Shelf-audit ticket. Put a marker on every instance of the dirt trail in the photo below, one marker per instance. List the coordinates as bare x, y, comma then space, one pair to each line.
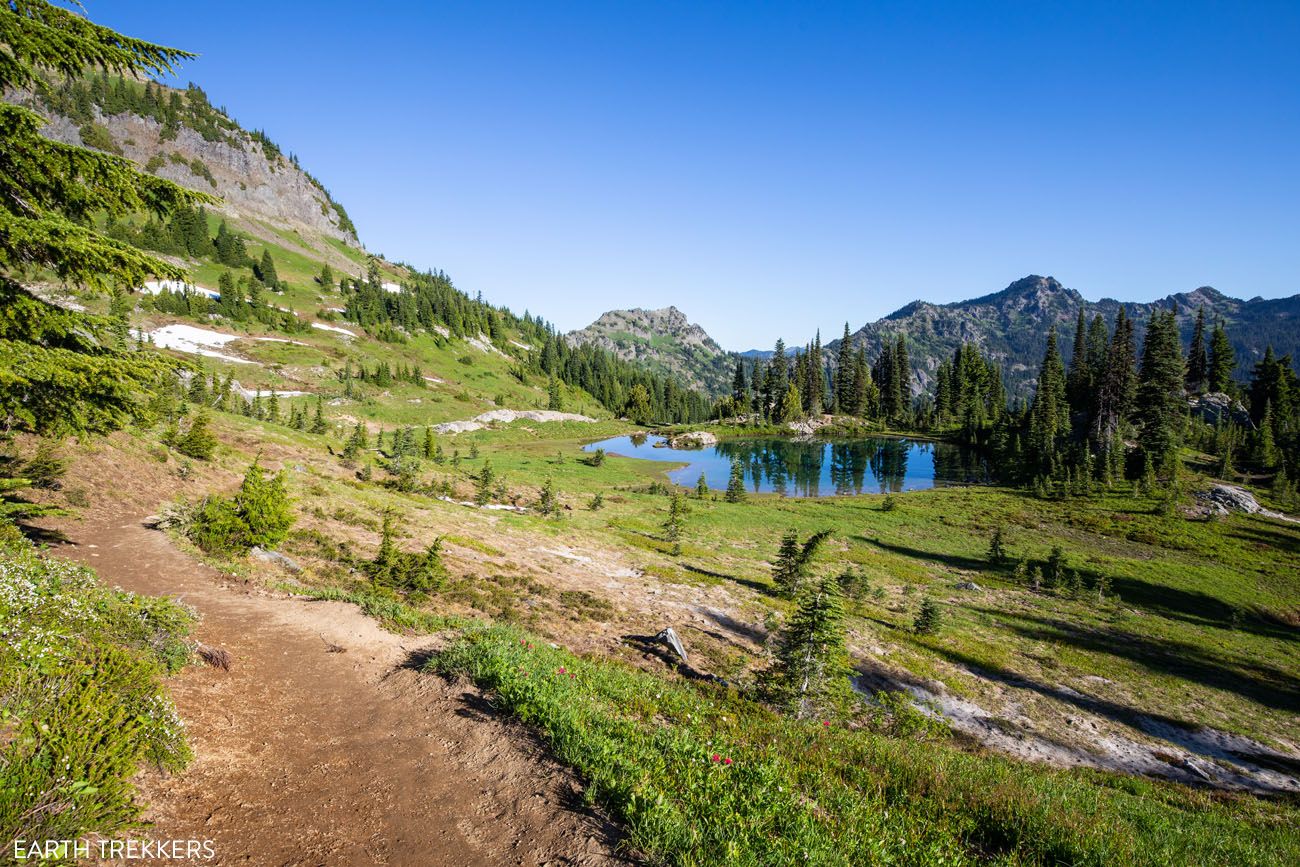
306, 756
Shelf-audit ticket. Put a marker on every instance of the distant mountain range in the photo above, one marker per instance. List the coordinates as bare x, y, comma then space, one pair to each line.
1010, 325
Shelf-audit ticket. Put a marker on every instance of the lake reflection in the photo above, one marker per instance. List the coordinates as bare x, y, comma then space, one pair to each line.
812, 469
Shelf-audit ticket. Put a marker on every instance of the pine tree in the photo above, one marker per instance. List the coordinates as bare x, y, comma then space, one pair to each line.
810, 675
791, 405
1223, 360
265, 271
701, 486
318, 423
844, 374
1080, 380
675, 522
1049, 414
997, 549
198, 442
793, 560
1198, 361
1161, 405
484, 484
262, 504
739, 389
736, 484
59, 372
929, 617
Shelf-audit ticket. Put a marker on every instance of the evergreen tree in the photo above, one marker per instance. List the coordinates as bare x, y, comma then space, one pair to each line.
701, 486
739, 388
1161, 405
265, 271
318, 423
262, 504
1223, 360
793, 560
675, 522
59, 373
198, 442
810, 676
929, 617
1080, 380
1198, 361
791, 405
844, 374
736, 484
1049, 414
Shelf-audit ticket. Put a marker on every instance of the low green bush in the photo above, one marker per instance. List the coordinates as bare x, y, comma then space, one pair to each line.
82, 705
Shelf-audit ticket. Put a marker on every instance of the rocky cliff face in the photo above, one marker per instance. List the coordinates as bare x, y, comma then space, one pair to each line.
254, 180
663, 340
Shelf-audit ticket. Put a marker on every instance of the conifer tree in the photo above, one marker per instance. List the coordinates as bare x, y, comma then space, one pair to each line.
736, 484
676, 521
844, 371
929, 617
198, 442
739, 388
791, 405
59, 373
1161, 405
318, 423
1198, 360
262, 504
810, 675
793, 560
701, 486
1223, 360
1049, 414
1080, 379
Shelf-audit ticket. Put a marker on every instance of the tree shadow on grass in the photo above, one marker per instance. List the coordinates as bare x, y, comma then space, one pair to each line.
756, 586
1188, 606
1272, 535
1261, 683
1176, 731
956, 561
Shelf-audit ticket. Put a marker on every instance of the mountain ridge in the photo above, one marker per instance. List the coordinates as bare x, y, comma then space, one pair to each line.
1010, 325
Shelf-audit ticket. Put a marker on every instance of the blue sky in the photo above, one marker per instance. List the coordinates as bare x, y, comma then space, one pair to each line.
775, 168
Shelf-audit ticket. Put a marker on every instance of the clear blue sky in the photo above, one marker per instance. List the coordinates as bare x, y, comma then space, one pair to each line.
775, 168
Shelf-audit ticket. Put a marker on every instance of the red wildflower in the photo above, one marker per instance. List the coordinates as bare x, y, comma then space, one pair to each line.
715, 757
561, 669
826, 723
726, 761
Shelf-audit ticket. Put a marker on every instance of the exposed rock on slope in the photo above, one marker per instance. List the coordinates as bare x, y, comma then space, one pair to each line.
202, 149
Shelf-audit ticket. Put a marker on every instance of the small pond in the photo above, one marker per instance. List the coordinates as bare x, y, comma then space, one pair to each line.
812, 469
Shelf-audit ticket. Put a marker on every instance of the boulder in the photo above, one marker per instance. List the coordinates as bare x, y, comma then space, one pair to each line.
1221, 499
696, 439
286, 563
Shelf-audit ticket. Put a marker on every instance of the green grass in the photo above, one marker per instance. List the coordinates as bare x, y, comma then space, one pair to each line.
787, 791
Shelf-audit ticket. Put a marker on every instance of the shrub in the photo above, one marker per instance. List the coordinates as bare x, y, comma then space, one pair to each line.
83, 704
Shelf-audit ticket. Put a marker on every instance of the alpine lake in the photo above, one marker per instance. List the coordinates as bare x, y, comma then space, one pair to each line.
815, 468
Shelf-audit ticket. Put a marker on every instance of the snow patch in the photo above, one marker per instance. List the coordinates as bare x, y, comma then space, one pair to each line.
321, 326
157, 287
195, 341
